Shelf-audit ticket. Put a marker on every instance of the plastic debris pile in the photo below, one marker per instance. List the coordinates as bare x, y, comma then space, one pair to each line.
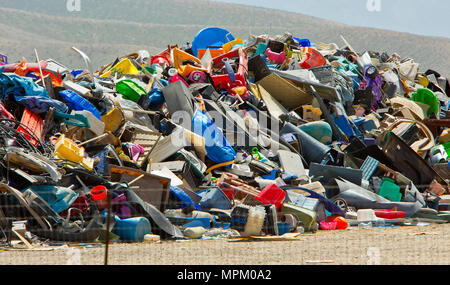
222, 138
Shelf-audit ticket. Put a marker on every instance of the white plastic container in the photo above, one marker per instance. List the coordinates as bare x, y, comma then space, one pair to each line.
255, 221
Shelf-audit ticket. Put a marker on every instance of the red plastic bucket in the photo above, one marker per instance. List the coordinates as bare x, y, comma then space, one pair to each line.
272, 194
99, 193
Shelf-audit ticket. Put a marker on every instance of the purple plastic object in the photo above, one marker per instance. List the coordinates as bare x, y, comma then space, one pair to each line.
375, 83
3, 59
124, 211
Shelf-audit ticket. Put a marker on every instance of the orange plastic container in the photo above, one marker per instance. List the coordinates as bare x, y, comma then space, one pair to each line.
272, 194
35, 125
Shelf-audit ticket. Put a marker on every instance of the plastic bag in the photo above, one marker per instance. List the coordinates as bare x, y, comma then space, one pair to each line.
217, 147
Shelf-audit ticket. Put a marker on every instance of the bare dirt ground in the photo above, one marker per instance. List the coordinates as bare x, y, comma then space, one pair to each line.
354, 246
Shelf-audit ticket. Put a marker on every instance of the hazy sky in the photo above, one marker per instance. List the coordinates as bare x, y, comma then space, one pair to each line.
424, 17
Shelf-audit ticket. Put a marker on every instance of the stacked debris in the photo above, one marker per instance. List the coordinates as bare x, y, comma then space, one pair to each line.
222, 138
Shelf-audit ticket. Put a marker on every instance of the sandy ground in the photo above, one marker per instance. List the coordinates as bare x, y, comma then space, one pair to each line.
354, 246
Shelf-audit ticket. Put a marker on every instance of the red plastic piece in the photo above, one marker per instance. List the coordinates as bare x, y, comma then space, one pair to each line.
389, 214
35, 125
272, 194
223, 80
312, 59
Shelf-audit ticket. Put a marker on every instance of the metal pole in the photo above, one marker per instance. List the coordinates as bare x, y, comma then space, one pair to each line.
108, 216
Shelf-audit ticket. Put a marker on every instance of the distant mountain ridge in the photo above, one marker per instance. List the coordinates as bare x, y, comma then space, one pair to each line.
108, 29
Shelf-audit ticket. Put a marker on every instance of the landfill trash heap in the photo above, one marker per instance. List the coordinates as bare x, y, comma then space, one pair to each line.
222, 138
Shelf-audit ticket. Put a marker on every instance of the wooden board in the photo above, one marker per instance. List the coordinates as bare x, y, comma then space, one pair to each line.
284, 92
274, 107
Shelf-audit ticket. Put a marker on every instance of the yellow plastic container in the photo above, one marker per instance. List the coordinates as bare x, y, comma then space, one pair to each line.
67, 149
125, 66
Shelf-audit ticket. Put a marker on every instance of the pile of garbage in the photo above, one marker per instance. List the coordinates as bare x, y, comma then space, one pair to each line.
222, 138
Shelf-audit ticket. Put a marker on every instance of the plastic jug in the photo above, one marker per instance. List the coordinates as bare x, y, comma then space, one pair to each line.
272, 194
132, 230
255, 221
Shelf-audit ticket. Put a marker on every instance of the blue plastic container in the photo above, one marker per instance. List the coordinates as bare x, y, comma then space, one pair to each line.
132, 230
78, 103
283, 228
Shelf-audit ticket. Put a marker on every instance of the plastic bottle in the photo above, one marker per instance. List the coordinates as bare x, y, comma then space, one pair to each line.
255, 221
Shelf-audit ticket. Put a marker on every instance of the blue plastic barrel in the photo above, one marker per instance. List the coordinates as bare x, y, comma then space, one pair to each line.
133, 229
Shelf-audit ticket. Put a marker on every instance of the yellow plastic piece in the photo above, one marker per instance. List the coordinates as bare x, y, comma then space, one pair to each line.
310, 113
125, 66
229, 46
113, 120
219, 165
67, 149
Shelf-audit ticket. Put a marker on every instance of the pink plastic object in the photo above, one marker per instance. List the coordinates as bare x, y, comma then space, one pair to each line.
312, 59
272, 194
276, 57
328, 226
176, 78
135, 150
197, 76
